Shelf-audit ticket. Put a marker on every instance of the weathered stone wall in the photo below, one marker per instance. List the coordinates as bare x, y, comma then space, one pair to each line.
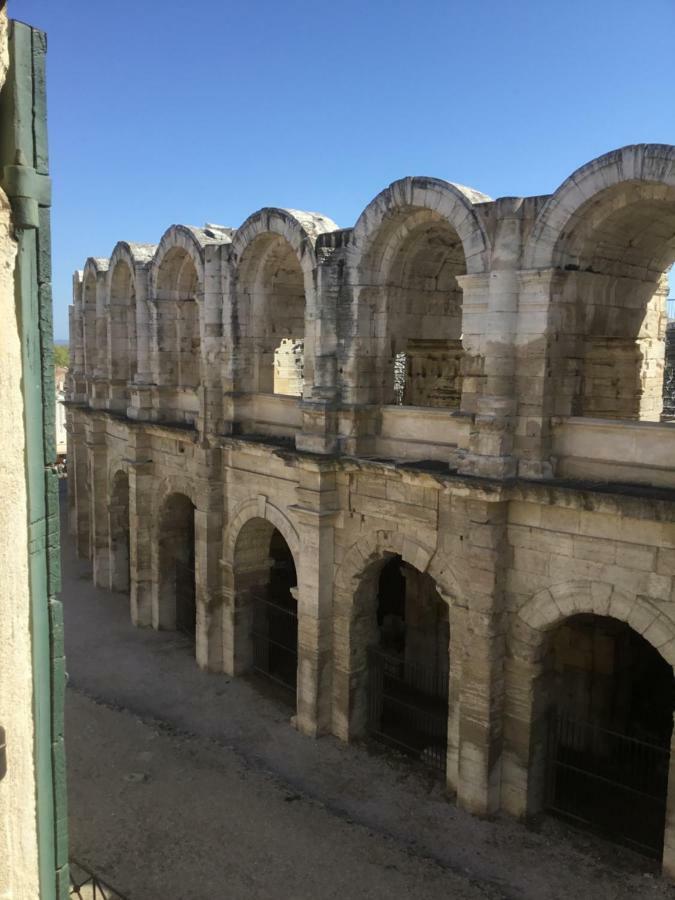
523, 322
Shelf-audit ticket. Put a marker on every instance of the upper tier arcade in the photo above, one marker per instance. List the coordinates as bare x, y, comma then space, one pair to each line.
510, 337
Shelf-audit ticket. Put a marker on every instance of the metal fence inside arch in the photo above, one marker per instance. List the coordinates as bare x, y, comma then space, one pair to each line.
408, 708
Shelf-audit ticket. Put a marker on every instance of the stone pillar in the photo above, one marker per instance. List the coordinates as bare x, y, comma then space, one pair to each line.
101, 373
78, 484
99, 488
475, 300
320, 396
454, 685
540, 363
208, 575
491, 314
211, 344
478, 628
77, 386
142, 527
143, 396
314, 513
669, 834
230, 348
652, 348
523, 764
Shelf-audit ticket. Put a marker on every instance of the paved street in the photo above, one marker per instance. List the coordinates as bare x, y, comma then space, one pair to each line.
185, 785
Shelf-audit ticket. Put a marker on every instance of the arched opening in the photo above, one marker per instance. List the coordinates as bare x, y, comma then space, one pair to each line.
177, 585
615, 254
412, 307
605, 700
271, 315
265, 581
118, 512
123, 358
178, 335
401, 626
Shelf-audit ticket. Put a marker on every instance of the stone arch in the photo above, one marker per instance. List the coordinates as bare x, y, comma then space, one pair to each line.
176, 279
550, 606
525, 709
409, 250
606, 237
649, 164
176, 484
273, 255
375, 545
261, 558
259, 508
453, 202
178, 237
355, 589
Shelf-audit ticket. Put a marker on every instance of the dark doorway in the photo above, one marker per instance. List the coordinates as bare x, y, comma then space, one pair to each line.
408, 668
178, 607
186, 599
119, 534
609, 731
275, 619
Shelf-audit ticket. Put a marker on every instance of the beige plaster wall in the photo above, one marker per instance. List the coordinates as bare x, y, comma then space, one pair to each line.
18, 826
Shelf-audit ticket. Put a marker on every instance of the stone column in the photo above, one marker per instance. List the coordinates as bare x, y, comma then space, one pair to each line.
230, 349
320, 397
454, 685
538, 359
523, 764
208, 574
315, 514
77, 386
144, 381
99, 488
475, 307
479, 629
101, 373
142, 527
491, 315
211, 342
78, 484
669, 834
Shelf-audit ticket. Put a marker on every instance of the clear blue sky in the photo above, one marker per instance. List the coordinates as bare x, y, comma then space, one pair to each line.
206, 111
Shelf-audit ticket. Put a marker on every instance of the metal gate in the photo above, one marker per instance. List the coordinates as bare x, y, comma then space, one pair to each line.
408, 707
608, 782
275, 641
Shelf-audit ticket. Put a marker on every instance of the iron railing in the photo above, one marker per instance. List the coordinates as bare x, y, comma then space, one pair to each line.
275, 642
84, 885
408, 707
608, 782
